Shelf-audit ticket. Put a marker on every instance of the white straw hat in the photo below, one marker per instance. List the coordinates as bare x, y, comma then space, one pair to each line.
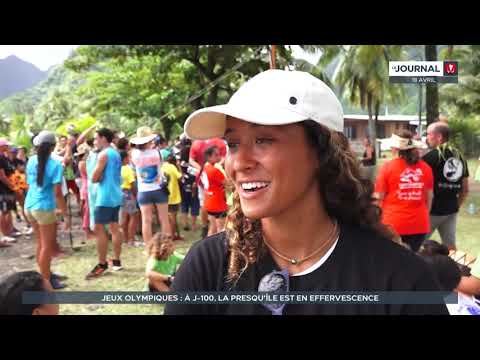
144, 135
401, 143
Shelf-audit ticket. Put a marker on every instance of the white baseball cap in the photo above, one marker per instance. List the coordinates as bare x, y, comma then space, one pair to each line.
273, 97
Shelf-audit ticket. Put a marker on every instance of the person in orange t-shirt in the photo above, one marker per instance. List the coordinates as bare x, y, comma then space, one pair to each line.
213, 182
404, 188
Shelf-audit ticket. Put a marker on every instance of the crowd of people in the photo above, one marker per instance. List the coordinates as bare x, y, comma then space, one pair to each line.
121, 186
296, 201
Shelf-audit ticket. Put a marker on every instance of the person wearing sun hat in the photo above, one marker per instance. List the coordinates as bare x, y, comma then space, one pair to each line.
81, 156
301, 213
151, 183
404, 188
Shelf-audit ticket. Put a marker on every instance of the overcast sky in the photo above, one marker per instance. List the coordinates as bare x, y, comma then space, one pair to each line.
44, 56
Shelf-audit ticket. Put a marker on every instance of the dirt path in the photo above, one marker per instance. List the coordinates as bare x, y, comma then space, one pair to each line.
21, 255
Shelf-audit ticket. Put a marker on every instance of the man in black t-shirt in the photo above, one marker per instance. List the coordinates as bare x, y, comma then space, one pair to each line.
450, 172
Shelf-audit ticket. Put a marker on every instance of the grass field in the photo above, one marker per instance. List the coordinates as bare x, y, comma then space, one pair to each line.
132, 278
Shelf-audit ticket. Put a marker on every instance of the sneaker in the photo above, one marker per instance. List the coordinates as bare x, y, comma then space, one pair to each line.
28, 231
56, 284
116, 265
59, 276
9, 239
97, 271
16, 233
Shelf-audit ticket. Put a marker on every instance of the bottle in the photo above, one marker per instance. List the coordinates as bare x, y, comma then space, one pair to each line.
471, 209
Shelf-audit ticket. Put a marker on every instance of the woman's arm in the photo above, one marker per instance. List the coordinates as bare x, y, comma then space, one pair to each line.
378, 198
98, 172
429, 200
469, 285
4, 179
62, 205
82, 166
83, 136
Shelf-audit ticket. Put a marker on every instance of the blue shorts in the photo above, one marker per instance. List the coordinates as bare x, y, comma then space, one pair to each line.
190, 202
106, 215
129, 205
152, 197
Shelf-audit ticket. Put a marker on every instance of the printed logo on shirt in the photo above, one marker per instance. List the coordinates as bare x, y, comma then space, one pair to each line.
410, 180
148, 174
453, 169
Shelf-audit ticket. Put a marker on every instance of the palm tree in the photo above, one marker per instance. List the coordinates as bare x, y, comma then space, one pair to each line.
432, 89
364, 74
361, 71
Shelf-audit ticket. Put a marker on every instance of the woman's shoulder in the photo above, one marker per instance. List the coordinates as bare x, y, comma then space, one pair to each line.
367, 246
211, 248
203, 267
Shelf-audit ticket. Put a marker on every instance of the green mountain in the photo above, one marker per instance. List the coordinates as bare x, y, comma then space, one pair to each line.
17, 75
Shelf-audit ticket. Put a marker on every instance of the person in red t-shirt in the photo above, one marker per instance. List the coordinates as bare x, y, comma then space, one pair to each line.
404, 188
213, 182
197, 160
197, 151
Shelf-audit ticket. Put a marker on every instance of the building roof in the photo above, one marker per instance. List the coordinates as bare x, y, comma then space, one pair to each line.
405, 118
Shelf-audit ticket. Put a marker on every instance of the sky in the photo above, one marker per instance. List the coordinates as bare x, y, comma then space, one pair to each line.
300, 54
42, 56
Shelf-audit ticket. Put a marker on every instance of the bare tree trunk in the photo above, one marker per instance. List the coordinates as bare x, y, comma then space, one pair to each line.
431, 97
372, 128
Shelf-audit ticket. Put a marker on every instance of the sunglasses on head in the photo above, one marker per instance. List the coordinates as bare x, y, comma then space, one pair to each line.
276, 281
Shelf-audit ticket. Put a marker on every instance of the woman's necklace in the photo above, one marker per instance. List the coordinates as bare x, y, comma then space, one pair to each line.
330, 239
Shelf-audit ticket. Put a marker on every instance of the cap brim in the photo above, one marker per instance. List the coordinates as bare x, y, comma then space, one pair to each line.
143, 140
393, 144
210, 122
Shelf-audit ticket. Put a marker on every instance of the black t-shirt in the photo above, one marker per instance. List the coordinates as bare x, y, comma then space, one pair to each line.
16, 162
361, 261
448, 174
369, 162
9, 169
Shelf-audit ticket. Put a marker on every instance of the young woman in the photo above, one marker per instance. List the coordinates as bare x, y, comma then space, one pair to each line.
129, 210
213, 180
404, 188
44, 178
151, 185
369, 160
81, 155
300, 209
170, 169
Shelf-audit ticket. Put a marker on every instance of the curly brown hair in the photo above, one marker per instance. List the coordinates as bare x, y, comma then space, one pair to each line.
346, 197
159, 245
